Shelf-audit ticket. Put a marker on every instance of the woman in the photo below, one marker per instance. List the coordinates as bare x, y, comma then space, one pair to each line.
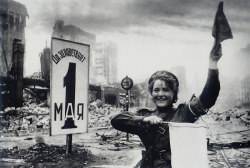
164, 87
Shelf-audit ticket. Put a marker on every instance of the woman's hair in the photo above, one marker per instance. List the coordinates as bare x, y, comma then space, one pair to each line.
169, 78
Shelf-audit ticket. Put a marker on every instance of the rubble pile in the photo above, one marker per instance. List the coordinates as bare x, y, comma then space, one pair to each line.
27, 119
24, 120
31, 119
43, 153
34, 117
237, 158
36, 75
229, 127
100, 115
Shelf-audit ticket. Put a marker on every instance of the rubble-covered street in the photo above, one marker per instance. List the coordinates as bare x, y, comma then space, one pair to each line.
25, 140
89, 150
229, 139
68, 67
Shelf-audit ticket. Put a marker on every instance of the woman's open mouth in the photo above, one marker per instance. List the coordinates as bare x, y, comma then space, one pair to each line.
161, 99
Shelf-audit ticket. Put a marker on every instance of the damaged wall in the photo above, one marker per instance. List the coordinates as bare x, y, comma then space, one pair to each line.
12, 23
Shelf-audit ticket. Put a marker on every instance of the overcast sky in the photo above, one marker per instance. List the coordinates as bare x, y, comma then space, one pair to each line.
151, 34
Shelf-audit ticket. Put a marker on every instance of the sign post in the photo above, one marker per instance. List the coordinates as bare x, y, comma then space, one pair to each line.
127, 84
69, 144
69, 88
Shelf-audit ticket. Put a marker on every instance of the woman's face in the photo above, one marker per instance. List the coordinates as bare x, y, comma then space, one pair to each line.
162, 94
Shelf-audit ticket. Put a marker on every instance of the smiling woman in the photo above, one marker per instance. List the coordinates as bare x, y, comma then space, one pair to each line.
148, 124
162, 94
166, 78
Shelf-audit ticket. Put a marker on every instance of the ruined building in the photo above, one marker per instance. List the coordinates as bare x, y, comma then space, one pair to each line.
244, 95
73, 33
103, 55
45, 63
105, 63
12, 39
12, 24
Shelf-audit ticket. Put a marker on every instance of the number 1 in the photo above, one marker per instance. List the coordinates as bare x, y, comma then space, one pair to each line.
69, 81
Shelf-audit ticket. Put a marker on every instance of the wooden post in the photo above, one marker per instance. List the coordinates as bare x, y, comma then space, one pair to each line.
127, 84
127, 105
127, 101
69, 144
117, 97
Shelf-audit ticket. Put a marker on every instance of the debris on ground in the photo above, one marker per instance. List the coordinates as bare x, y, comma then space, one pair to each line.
43, 153
226, 130
100, 116
22, 121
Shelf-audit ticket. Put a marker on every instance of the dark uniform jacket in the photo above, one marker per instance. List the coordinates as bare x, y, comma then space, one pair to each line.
160, 155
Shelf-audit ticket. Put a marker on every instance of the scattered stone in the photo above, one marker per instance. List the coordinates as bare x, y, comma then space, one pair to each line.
43, 153
39, 139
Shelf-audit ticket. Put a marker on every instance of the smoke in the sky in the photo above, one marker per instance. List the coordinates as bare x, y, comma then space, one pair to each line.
112, 15
158, 34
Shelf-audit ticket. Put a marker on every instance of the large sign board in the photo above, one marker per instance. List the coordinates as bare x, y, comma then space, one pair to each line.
69, 86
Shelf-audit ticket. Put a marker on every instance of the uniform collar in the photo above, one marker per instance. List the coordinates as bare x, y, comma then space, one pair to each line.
164, 113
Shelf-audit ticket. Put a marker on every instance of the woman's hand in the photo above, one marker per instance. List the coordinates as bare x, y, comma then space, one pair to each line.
215, 55
152, 120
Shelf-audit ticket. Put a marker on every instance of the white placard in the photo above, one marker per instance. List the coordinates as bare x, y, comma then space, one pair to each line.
69, 87
188, 145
